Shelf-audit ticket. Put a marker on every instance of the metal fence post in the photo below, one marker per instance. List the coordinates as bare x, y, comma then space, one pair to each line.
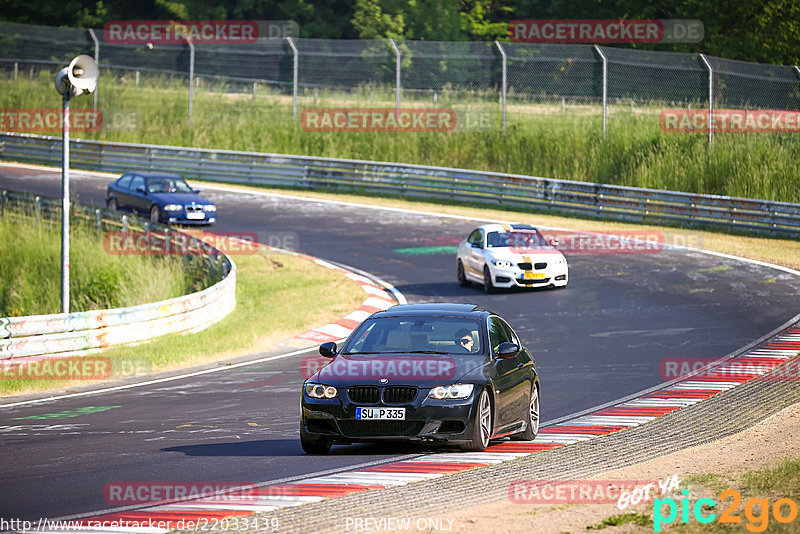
605, 87
398, 57
191, 76
294, 78
796, 69
96, 60
710, 99
504, 88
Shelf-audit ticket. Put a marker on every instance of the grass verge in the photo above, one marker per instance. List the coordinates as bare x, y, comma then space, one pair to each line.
30, 270
277, 296
760, 490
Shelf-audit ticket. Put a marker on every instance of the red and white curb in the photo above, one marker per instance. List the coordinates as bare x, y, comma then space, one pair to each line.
378, 299
735, 371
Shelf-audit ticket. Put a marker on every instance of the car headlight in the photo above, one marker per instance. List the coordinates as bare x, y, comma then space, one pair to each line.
453, 391
320, 391
502, 264
209, 207
173, 207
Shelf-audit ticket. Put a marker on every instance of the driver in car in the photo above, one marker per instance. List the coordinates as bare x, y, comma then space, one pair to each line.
464, 341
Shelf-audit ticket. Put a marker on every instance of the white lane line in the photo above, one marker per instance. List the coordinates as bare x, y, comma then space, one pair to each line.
566, 439
471, 457
771, 353
612, 420
232, 506
361, 480
661, 402
699, 384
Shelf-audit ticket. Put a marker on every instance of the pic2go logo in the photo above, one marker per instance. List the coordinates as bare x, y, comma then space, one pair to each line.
757, 511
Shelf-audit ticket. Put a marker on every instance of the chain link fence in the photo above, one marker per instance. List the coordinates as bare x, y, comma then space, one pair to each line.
498, 78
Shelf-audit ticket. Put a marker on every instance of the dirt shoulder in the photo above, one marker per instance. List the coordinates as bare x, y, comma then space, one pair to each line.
768, 442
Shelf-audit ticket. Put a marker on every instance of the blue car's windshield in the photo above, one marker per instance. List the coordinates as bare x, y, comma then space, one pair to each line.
423, 335
166, 184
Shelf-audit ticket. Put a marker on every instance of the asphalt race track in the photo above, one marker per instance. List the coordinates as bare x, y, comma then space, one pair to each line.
601, 338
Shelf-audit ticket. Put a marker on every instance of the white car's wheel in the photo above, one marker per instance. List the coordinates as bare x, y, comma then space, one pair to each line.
488, 285
462, 277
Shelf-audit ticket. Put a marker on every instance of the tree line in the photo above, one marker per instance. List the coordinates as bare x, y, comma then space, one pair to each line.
764, 31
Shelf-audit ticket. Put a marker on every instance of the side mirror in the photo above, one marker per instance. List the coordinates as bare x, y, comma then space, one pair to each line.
476, 244
552, 241
507, 350
328, 349
140, 189
197, 191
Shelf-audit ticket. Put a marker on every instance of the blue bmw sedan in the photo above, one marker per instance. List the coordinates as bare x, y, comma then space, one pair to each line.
164, 198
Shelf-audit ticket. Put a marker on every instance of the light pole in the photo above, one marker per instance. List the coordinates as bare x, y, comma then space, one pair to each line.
80, 77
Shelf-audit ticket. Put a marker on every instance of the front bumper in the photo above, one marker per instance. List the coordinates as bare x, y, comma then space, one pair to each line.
180, 217
426, 420
555, 275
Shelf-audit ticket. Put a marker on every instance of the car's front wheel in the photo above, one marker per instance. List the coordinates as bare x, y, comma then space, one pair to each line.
532, 418
482, 425
155, 214
488, 285
313, 446
462, 277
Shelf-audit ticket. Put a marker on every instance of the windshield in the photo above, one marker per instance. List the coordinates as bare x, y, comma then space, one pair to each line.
526, 239
424, 335
166, 184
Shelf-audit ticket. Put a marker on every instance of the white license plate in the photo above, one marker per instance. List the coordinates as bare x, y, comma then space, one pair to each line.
371, 414
195, 215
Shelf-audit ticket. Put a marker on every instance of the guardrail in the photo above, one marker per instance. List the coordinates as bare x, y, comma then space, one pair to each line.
88, 332
500, 189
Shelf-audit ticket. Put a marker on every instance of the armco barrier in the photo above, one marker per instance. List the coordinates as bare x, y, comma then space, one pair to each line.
500, 189
88, 332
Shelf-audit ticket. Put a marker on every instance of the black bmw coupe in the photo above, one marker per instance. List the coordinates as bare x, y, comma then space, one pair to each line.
449, 373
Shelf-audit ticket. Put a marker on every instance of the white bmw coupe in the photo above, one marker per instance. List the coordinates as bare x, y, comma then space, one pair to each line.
510, 255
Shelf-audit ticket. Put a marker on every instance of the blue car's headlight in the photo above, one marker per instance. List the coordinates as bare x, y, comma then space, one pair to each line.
173, 207
453, 391
320, 391
209, 207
